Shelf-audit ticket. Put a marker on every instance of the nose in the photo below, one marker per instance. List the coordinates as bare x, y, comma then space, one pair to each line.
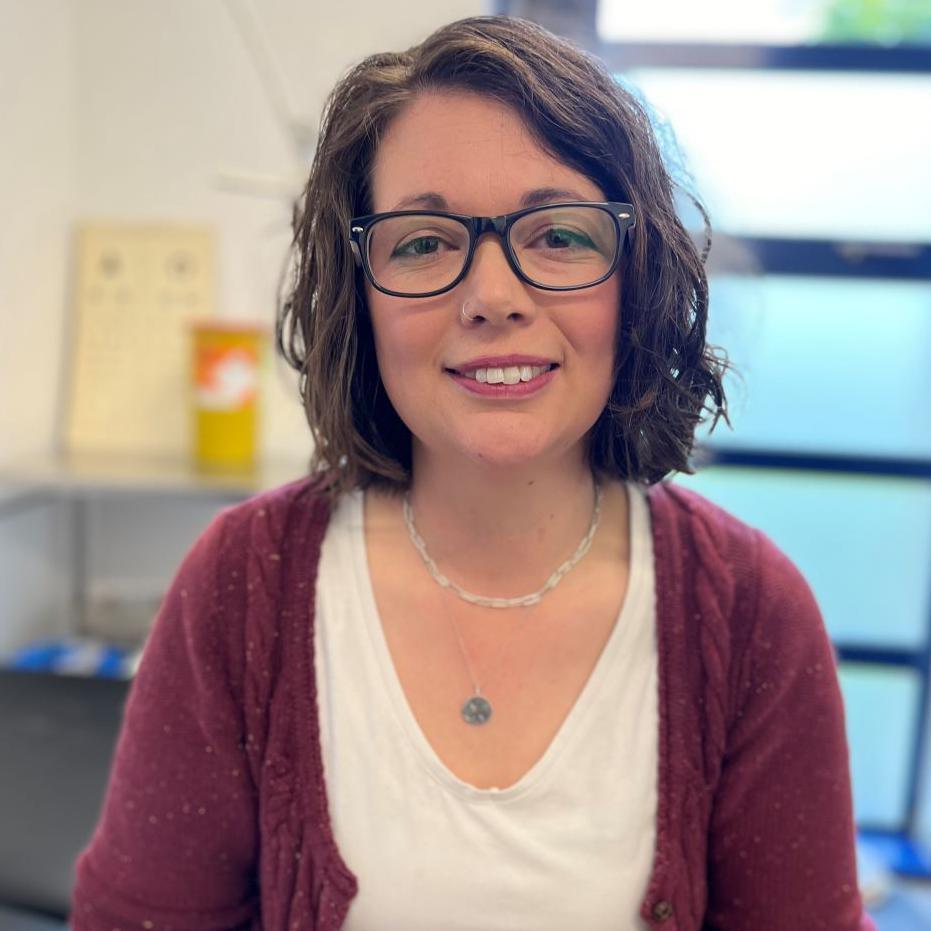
491, 289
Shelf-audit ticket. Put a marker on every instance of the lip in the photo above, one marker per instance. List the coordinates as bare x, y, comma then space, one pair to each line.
521, 390
500, 362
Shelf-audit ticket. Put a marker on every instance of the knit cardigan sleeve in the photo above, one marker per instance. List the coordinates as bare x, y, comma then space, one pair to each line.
781, 841
180, 802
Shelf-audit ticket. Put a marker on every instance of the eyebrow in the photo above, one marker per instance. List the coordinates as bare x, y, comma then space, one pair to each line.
431, 200
549, 195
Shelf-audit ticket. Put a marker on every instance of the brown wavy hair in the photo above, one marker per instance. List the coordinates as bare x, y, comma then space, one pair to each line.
664, 370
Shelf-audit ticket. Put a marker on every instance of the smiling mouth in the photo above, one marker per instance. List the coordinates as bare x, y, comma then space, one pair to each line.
505, 375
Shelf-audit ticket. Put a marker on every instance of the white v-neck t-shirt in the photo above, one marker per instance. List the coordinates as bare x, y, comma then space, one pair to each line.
570, 845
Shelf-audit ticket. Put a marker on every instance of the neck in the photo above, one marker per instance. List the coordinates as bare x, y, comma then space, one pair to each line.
501, 532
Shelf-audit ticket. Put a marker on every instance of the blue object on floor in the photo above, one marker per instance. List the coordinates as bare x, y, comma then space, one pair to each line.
902, 855
74, 656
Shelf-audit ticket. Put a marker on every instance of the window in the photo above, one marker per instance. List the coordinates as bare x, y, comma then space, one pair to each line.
804, 124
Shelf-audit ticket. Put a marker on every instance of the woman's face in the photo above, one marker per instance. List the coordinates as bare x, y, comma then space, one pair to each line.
478, 156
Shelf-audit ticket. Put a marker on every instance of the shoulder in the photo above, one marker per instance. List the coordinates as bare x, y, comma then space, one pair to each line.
691, 519
249, 556
731, 579
240, 577
268, 525
694, 530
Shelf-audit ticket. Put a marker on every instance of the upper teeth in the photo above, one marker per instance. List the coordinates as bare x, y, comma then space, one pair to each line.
509, 376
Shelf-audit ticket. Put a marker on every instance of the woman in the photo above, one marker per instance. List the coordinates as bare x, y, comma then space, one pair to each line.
482, 669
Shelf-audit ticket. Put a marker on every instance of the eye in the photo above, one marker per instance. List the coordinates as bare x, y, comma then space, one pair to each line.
559, 237
570, 232
423, 247
420, 245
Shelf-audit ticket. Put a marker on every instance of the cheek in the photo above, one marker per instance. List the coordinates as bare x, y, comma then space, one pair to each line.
403, 344
598, 325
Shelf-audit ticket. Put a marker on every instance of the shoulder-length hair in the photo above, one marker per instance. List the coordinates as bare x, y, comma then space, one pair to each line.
664, 370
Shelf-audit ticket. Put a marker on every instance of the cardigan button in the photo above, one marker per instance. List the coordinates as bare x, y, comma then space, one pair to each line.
662, 911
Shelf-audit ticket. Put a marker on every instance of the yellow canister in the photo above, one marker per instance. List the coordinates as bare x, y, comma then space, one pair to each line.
225, 376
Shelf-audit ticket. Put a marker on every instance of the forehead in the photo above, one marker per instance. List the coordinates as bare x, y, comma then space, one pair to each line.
474, 151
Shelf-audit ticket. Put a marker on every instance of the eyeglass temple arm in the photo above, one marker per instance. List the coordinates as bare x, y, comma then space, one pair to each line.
356, 252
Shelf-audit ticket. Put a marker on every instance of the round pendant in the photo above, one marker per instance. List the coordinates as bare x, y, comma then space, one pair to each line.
476, 710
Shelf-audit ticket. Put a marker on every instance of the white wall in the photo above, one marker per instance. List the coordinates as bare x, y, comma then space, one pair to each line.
127, 109
168, 97
130, 110
38, 186
37, 194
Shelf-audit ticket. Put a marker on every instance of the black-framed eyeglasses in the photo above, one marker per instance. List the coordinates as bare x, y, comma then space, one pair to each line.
556, 247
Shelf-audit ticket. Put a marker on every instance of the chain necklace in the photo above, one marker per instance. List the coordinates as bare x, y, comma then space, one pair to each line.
477, 709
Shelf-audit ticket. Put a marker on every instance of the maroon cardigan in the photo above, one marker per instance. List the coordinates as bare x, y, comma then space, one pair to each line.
216, 812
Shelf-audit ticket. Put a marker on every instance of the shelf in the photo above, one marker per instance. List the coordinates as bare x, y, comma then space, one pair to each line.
102, 474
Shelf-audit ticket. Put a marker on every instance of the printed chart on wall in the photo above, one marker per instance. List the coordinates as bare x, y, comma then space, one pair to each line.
137, 289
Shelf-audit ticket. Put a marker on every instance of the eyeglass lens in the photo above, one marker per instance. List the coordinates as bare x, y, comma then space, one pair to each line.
561, 247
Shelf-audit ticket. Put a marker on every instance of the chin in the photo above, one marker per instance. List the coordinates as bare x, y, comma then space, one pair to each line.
501, 456
494, 462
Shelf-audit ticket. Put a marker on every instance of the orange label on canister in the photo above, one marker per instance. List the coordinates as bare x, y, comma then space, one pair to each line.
225, 376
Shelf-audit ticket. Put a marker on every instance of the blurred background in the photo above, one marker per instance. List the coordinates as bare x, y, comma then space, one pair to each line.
150, 159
